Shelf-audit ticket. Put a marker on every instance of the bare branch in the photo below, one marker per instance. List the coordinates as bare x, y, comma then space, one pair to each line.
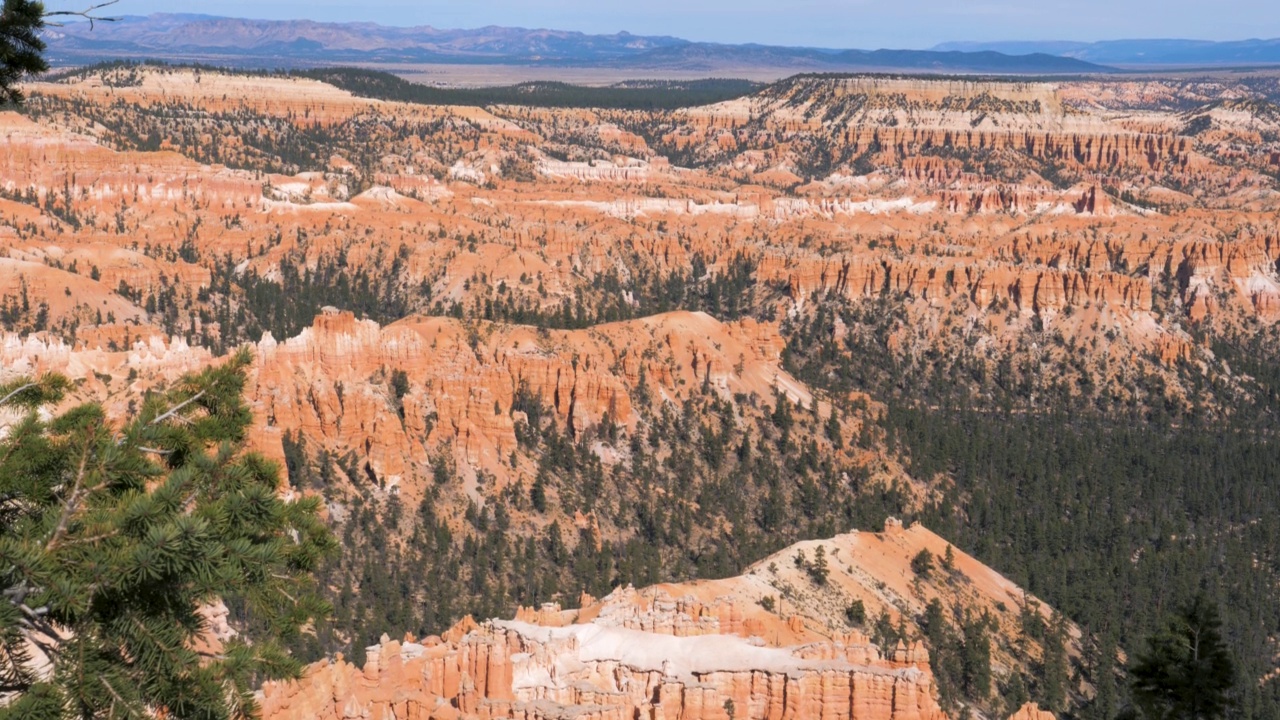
175, 410
5, 400
87, 14
93, 539
36, 615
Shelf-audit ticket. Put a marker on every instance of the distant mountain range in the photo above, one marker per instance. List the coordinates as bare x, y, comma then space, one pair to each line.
1139, 52
303, 43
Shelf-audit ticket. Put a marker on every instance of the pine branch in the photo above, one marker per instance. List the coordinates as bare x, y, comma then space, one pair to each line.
128, 709
170, 654
73, 501
14, 444
15, 667
87, 14
129, 657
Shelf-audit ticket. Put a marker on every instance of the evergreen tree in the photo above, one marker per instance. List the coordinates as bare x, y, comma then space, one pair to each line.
819, 569
1056, 667
1015, 694
1186, 672
21, 49
943, 652
113, 537
538, 494
833, 429
922, 563
856, 613
1103, 705
977, 658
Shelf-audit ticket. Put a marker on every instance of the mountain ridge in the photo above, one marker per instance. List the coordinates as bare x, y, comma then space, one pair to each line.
1138, 51
304, 42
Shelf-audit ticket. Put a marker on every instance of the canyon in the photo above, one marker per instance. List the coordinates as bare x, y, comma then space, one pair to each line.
529, 354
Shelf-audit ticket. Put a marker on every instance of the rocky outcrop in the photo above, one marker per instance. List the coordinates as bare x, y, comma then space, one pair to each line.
332, 383
706, 650
635, 171
899, 118
617, 666
984, 283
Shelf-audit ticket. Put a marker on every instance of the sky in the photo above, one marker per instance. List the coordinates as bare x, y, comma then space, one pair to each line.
865, 24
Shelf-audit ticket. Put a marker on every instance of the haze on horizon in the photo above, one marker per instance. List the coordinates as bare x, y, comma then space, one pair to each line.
866, 24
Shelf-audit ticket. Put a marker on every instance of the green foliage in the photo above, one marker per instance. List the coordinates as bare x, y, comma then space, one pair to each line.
1103, 660
856, 613
113, 537
819, 570
21, 49
945, 652
399, 383
422, 571
884, 633
922, 563
730, 294
247, 304
961, 661
833, 430
1056, 671
1186, 672
976, 658
538, 493
399, 388
1108, 506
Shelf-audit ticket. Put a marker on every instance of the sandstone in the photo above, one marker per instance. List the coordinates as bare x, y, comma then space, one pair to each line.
1069, 214
671, 651
608, 668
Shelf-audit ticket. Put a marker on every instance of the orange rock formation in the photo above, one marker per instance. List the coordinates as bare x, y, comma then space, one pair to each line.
702, 651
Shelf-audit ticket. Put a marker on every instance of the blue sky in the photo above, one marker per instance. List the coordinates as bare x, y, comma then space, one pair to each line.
827, 23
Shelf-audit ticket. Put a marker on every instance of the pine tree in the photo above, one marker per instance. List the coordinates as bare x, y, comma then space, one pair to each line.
922, 563
819, 570
112, 537
833, 430
538, 493
1186, 672
856, 613
1103, 705
977, 658
21, 49
1056, 665
943, 652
